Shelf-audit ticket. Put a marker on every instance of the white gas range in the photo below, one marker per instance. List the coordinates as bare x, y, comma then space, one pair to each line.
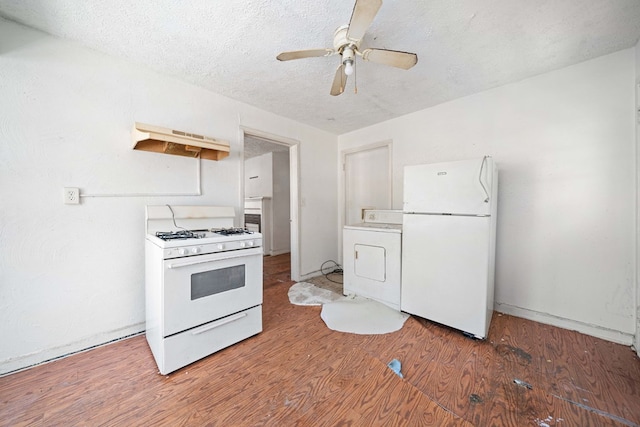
203, 283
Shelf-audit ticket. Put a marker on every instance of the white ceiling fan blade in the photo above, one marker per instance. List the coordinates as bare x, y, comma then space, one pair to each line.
394, 58
339, 81
309, 53
363, 14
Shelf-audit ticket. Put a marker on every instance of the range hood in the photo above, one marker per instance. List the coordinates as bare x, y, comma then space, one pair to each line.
169, 141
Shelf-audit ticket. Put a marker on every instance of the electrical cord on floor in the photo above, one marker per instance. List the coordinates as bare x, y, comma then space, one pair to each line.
337, 269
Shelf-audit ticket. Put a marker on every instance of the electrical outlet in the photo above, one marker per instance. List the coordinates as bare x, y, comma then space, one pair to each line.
71, 196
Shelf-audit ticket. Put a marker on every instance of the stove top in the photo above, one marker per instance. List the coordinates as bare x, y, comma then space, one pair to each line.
180, 231
206, 240
200, 234
178, 235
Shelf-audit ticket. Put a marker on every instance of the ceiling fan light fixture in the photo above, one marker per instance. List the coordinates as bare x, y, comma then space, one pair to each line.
348, 55
348, 67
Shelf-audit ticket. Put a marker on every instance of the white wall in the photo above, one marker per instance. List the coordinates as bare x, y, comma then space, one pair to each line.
72, 276
564, 144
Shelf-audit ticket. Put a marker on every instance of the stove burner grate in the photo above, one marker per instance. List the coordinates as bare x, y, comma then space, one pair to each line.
231, 231
176, 235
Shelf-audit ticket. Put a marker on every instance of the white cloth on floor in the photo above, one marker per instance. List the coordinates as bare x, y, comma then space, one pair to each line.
362, 316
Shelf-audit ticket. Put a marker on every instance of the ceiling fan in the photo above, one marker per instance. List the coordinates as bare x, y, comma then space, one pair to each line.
346, 43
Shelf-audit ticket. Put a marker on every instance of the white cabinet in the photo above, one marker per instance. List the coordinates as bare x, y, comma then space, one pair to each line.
267, 186
258, 176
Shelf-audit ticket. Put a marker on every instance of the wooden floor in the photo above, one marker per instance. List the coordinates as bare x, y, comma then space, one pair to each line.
298, 372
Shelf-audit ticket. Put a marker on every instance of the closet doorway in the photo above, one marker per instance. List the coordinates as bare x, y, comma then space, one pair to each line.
367, 180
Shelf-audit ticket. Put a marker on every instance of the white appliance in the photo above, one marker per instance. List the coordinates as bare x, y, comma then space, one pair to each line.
372, 257
257, 218
448, 244
203, 283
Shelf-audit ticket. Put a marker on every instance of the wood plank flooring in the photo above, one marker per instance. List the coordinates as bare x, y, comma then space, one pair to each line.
298, 372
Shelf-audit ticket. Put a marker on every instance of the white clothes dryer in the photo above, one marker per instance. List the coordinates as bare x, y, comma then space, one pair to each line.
372, 257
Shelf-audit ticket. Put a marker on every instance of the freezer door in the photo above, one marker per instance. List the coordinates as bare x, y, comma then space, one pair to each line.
446, 271
455, 187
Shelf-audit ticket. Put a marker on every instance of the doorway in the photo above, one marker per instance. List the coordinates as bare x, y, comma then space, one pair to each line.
367, 180
270, 193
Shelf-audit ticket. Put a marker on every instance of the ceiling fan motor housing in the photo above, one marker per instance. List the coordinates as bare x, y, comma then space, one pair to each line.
340, 40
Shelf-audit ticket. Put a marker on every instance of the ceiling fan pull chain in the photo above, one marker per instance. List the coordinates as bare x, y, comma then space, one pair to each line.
355, 76
344, 82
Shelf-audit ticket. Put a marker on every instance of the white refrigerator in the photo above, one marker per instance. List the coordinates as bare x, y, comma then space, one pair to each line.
448, 243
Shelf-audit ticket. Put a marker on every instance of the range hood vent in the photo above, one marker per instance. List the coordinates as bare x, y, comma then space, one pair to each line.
179, 143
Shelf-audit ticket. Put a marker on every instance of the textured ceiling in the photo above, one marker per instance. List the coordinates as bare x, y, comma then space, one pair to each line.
254, 146
229, 46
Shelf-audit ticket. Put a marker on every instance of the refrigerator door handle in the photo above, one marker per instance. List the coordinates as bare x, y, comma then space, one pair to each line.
484, 160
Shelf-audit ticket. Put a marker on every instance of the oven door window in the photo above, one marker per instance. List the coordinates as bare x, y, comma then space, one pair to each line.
217, 281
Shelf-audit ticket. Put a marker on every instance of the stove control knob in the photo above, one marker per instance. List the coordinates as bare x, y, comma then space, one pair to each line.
250, 243
243, 244
182, 251
220, 246
195, 250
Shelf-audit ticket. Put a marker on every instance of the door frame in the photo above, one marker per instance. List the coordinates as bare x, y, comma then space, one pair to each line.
294, 189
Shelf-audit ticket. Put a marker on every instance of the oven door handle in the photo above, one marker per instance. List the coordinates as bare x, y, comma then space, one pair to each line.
222, 256
218, 323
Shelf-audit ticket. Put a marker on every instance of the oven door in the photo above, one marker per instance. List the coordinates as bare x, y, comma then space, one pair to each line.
202, 288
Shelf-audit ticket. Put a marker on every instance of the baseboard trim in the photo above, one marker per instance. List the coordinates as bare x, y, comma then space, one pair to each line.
310, 275
279, 252
573, 325
15, 364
